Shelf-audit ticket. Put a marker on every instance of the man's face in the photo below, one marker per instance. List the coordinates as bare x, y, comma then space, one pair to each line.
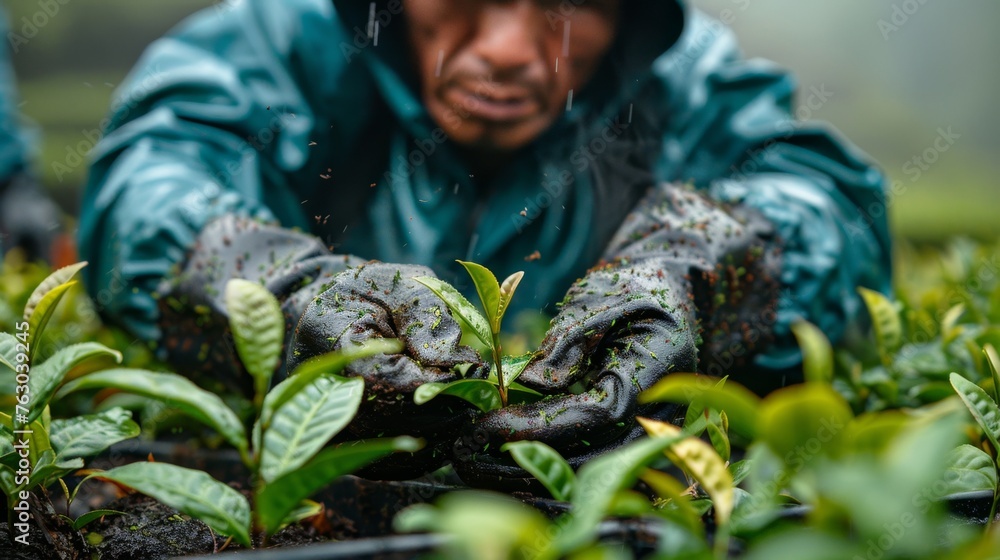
494, 74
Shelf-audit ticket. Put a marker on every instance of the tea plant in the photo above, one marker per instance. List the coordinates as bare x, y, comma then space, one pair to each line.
495, 298
285, 451
37, 451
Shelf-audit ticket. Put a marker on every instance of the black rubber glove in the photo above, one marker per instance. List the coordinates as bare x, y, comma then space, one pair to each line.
682, 275
378, 300
193, 321
29, 219
329, 301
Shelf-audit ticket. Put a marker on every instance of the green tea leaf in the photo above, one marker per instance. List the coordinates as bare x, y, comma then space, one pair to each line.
83, 436
258, 327
482, 525
545, 464
47, 376
817, 354
173, 390
94, 515
513, 367
740, 405
191, 492
479, 392
701, 462
807, 419
740, 470
278, 498
885, 320
994, 362
304, 424
461, 308
949, 328
970, 469
58, 278
314, 368
303, 511
982, 407
42, 313
8, 350
599, 480
488, 289
507, 290
720, 440
669, 488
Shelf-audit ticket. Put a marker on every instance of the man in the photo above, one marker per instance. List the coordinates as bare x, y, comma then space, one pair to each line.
545, 136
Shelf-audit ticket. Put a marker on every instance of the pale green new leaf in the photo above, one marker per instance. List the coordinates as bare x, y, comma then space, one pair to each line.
278, 498
994, 362
83, 436
817, 354
314, 368
191, 492
41, 315
58, 278
982, 407
47, 376
479, 392
545, 464
258, 327
460, 307
174, 391
507, 290
885, 320
304, 424
8, 352
488, 289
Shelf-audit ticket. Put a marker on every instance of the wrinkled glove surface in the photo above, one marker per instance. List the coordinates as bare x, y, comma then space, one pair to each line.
329, 301
683, 275
378, 300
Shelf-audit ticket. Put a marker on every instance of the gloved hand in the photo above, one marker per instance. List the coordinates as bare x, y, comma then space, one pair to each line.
682, 275
378, 300
329, 301
28, 218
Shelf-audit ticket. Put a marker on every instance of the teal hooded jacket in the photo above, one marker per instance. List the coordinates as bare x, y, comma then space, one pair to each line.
305, 113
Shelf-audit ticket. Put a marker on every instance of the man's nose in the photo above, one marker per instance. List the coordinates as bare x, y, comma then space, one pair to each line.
509, 36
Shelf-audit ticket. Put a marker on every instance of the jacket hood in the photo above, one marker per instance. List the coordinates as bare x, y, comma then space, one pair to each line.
649, 28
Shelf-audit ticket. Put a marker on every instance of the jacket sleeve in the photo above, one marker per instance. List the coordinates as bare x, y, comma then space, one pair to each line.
13, 143
217, 118
734, 131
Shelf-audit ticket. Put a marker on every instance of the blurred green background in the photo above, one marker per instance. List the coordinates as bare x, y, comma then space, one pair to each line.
895, 72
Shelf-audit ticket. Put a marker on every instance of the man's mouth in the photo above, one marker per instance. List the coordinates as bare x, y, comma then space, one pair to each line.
500, 104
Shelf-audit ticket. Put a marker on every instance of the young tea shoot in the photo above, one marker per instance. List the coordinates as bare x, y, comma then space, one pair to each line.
495, 299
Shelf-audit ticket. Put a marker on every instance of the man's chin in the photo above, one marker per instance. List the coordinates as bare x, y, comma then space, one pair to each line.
496, 138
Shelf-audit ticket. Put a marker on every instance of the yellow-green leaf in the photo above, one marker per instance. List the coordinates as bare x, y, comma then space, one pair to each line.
701, 462
57, 278
479, 392
507, 289
738, 402
885, 320
545, 464
817, 354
